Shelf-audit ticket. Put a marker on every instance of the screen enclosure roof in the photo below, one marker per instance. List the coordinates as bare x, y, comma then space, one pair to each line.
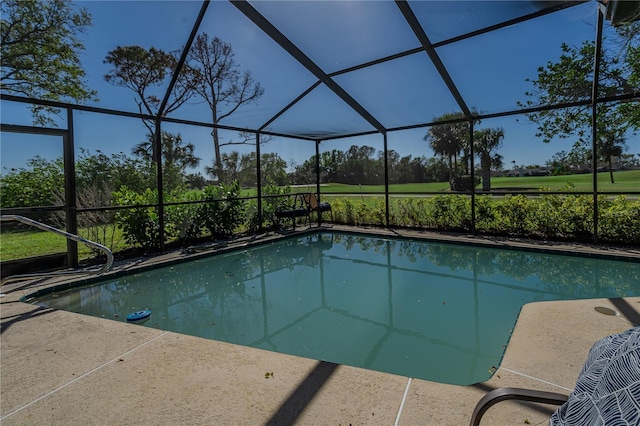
334, 69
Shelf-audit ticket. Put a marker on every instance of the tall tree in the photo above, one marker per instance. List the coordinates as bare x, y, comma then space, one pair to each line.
611, 143
305, 173
559, 163
360, 166
242, 167
40, 53
570, 79
331, 166
273, 168
220, 83
629, 45
174, 150
393, 163
177, 155
230, 166
486, 141
435, 169
147, 72
448, 140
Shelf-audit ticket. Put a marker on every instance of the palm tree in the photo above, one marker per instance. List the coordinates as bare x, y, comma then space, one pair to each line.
174, 152
611, 144
176, 156
447, 140
227, 168
485, 141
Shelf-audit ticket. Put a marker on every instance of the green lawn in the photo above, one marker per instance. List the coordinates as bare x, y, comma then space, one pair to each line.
625, 181
23, 243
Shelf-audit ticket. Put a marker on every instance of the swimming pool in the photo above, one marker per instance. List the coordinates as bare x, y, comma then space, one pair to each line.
434, 311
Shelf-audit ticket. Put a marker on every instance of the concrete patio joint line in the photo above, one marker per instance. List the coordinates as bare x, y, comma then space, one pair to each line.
535, 378
80, 377
404, 398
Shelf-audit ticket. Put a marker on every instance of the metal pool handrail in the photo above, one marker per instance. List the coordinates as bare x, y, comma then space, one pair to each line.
39, 225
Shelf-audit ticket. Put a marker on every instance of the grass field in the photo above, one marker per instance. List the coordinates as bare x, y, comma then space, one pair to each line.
26, 242
625, 181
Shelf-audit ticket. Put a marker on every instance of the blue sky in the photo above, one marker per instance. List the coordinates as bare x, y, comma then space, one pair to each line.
489, 70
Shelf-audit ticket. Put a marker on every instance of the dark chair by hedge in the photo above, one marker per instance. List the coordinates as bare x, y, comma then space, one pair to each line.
298, 208
311, 199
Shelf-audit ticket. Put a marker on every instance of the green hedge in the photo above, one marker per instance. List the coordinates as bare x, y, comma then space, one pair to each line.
220, 217
549, 216
215, 212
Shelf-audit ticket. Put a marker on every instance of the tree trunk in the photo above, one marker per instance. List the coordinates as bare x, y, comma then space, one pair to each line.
610, 168
451, 186
485, 164
467, 161
217, 161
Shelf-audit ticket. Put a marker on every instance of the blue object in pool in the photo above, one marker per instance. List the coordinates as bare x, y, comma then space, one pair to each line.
140, 315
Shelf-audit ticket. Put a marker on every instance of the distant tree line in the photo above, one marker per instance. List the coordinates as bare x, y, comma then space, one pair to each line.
98, 175
578, 160
41, 181
364, 165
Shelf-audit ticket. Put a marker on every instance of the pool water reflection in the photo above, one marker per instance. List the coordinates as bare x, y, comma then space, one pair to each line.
440, 312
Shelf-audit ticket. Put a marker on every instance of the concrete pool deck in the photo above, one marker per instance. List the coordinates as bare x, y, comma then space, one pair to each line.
58, 367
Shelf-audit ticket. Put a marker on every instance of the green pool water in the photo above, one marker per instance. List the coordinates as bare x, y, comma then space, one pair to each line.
440, 312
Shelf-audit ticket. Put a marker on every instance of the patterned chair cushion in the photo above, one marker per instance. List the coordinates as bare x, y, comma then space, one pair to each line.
608, 389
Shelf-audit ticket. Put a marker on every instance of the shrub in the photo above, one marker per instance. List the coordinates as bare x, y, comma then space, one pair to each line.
464, 183
619, 220
185, 220
451, 212
410, 212
513, 215
97, 225
485, 214
350, 212
225, 211
578, 215
377, 212
548, 218
94, 225
359, 212
140, 225
268, 219
344, 211
35, 185
369, 213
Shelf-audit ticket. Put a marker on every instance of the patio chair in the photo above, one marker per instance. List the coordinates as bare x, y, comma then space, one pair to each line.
315, 206
294, 210
505, 394
607, 390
